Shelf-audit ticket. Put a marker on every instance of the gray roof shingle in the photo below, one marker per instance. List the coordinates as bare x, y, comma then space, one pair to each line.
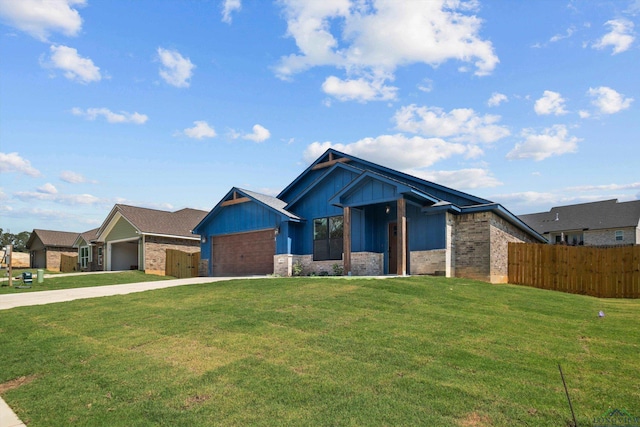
586, 216
153, 221
51, 238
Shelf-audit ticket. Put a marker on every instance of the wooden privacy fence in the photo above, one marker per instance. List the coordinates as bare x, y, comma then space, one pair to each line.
600, 272
181, 264
68, 263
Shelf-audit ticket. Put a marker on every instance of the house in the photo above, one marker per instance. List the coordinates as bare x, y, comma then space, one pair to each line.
47, 246
349, 214
90, 251
136, 238
602, 223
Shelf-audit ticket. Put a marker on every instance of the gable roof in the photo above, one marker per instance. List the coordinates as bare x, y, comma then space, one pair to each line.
157, 222
270, 202
51, 238
333, 157
88, 237
586, 216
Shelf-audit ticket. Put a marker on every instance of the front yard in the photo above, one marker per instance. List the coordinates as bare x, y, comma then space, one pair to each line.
322, 351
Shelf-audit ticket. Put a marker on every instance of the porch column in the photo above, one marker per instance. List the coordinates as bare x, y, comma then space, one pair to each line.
346, 240
402, 237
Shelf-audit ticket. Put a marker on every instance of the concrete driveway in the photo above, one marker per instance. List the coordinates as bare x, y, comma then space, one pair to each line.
9, 301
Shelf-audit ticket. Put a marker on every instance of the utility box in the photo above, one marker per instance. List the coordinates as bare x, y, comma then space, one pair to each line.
40, 275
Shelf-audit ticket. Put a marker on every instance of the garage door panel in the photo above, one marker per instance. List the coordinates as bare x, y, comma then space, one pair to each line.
243, 253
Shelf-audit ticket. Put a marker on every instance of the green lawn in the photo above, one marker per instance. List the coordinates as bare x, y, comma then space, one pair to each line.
322, 351
78, 280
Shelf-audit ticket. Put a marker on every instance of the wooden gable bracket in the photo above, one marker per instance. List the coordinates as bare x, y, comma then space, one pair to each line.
330, 162
236, 199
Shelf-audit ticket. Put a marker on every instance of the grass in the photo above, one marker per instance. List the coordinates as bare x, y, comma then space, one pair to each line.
321, 351
79, 281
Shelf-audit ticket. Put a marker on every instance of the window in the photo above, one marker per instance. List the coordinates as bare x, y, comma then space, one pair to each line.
84, 256
100, 256
327, 238
619, 235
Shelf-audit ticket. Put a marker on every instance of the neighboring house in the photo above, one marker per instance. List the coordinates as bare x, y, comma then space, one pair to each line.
137, 238
90, 251
603, 223
346, 213
46, 246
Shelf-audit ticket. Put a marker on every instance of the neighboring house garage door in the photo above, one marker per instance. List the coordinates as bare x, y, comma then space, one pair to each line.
243, 253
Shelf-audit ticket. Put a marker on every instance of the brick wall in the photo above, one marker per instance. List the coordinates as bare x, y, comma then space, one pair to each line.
608, 237
472, 243
502, 233
155, 254
428, 262
481, 246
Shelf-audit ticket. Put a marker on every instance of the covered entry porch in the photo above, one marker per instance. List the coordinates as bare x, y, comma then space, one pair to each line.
404, 227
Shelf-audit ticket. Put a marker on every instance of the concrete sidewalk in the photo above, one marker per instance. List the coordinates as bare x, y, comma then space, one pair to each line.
24, 299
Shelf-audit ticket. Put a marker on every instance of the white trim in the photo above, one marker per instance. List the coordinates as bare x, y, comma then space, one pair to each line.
108, 254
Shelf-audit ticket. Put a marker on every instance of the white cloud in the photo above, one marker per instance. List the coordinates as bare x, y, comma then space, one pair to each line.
559, 37
426, 85
110, 116
461, 124
201, 129
369, 40
72, 177
605, 187
459, 179
12, 162
228, 7
259, 134
608, 100
66, 199
39, 18
554, 141
584, 114
396, 151
75, 67
550, 103
176, 69
48, 188
497, 99
361, 89
620, 37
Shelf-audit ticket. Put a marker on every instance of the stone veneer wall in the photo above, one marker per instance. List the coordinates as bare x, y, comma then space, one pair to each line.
428, 262
54, 255
362, 264
155, 251
367, 264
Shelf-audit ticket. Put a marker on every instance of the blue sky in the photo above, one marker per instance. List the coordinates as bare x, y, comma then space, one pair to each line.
168, 104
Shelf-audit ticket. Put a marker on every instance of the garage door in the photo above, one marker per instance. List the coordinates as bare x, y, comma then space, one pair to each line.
243, 254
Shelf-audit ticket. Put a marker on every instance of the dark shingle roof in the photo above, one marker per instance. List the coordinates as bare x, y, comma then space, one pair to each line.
153, 221
586, 216
50, 238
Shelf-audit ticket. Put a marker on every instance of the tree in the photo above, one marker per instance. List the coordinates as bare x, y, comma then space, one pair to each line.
19, 241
